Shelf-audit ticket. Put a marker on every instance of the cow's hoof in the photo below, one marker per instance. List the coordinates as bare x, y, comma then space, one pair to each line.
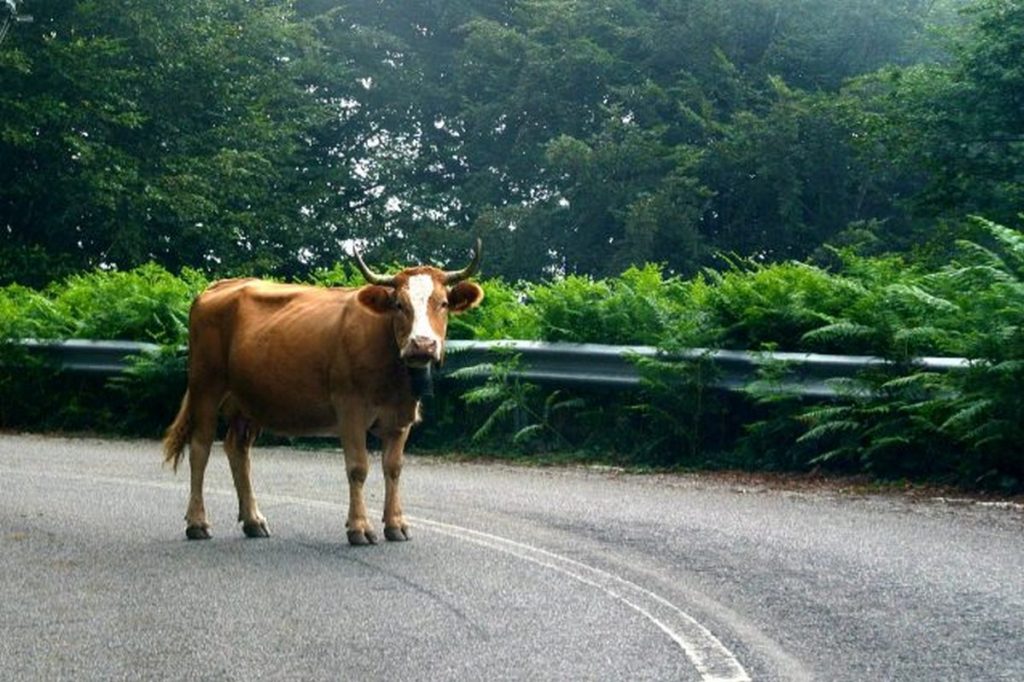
359, 538
256, 529
198, 533
397, 534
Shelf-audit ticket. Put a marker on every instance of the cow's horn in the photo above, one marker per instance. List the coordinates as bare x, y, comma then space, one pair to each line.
453, 276
371, 276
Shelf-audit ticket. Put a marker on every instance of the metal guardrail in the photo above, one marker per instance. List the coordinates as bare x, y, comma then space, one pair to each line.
82, 356
602, 366
562, 364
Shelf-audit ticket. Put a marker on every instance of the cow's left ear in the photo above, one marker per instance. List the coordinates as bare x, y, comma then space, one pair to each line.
463, 296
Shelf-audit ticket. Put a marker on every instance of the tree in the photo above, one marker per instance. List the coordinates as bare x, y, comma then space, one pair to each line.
786, 179
259, 136
952, 135
133, 132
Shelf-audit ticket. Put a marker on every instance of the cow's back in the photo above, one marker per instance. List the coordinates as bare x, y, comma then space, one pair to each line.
281, 353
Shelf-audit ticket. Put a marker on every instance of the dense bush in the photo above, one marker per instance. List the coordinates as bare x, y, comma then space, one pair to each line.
757, 306
969, 424
144, 304
966, 426
504, 313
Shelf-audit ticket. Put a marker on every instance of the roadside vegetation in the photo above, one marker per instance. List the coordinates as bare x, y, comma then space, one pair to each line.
962, 427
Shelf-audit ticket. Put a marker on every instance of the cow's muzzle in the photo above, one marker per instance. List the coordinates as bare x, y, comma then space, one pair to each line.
420, 351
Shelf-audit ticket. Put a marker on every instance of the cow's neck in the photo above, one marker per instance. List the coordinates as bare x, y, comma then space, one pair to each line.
421, 381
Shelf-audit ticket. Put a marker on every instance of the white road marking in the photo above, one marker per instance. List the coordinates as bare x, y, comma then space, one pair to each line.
712, 660
709, 656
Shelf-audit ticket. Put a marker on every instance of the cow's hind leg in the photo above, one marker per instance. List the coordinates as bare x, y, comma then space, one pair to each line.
237, 443
204, 418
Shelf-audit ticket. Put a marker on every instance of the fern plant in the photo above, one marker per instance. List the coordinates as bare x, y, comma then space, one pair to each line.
757, 305
516, 406
882, 425
986, 416
144, 304
642, 306
966, 424
769, 439
677, 402
152, 383
26, 313
503, 314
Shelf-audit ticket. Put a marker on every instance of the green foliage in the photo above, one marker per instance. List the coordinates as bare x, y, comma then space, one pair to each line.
642, 306
152, 385
130, 133
568, 309
756, 305
531, 414
144, 304
38, 396
883, 427
27, 313
25, 382
770, 438
338, 275
147, 303
502, 315
963, 425
678, 407
949, 135
785, 178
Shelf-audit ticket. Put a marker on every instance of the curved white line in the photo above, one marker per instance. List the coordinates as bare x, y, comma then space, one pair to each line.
713, 661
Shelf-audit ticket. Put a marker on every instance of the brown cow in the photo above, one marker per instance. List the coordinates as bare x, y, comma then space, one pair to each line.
303, 360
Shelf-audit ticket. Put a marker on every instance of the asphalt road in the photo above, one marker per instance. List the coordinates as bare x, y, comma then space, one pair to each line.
513, 573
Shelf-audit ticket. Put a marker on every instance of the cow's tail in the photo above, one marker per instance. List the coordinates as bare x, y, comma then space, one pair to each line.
178, 434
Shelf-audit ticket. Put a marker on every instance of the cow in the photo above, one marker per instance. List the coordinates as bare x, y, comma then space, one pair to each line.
305, 360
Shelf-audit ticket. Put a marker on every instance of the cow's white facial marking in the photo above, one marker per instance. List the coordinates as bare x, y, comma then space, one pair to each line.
421, 288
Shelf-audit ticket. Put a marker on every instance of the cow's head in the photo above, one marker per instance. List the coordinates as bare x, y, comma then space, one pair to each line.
419, 300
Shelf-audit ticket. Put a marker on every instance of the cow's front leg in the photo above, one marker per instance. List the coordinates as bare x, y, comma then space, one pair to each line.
395, 527
357, 466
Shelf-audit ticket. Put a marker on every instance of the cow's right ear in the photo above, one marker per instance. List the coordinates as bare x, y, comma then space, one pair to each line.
376, 298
